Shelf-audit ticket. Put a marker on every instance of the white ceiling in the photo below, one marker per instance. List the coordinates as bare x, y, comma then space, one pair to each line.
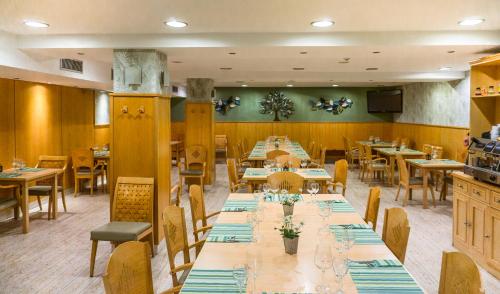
267, 35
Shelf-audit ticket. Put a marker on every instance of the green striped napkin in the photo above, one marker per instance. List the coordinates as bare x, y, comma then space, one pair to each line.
31, 169
355, 226
213, 281
231, 233
274, 170
314, 172
278, 198
9, 175
255, 172
240, 205
339, 206
361, 236
389, 277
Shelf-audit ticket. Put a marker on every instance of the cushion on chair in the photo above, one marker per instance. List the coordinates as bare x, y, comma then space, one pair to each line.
40, 190
119, 231
419, 181
191, 172
8, 203
378, 166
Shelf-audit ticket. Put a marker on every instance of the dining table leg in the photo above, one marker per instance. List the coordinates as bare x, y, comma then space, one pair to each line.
54, 197
391, 166
25, 208
426, 183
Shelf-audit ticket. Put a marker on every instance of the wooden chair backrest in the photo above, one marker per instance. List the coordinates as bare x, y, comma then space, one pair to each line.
459, 274
322, 156
406, 142
275, 153
197, 203
195, 155
361, 151
396, 231
287, 159
244, 145
317, 151
129, 269
371, 213
174, 226
290, 181
368, 152
427, 148
82, 157
220, 141
232, 172
133, 200
340, 176
437, 151
403, 170
310, 148
51, 161
241, 148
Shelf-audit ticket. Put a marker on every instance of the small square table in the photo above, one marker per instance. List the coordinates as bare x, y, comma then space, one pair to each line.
391, 154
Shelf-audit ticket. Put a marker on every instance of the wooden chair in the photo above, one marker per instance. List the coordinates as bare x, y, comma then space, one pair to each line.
174, 226
177, 150
311, 148
362, 162
12, 200
177, 192
221, 144
129, 270
427, 149
242, 149
320, 160
288, 160
234, 181
131, 215
198, 212
461, 155
195, 166
245, 146
396, 231
85, 168
340, 176
406, 142
241, 160
275, 153
351, 153
375, 165
290, 181
44, 188
459, 274
371, 213
410, 183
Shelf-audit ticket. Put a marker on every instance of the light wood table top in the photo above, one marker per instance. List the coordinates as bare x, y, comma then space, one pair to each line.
381, 144
393, 152
445, 164
29, 176
261, 174
276, 270
262, 147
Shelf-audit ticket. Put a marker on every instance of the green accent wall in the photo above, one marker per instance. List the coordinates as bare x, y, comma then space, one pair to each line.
250, 97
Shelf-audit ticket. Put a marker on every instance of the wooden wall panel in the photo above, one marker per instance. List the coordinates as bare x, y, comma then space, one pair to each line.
38, 120
7, 126
101, 135
77, 119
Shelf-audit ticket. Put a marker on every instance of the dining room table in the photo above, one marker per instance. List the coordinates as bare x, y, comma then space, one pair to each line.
391, 153
376, 144
26, 176
244, 253
259, 151
428, 165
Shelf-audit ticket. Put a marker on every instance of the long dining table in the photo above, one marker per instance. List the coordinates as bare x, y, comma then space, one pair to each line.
259, 151
271, 270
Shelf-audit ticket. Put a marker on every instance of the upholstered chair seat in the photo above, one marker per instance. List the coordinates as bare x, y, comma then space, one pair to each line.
119, 231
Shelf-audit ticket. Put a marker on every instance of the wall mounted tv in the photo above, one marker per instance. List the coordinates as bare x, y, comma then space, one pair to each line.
388, 101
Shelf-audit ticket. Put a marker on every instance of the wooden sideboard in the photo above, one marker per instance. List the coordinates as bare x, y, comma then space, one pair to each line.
476, 221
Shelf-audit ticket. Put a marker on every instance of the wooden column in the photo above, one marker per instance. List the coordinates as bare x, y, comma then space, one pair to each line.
140, 145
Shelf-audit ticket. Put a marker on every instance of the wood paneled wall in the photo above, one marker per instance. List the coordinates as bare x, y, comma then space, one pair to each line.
7, 125
101, 135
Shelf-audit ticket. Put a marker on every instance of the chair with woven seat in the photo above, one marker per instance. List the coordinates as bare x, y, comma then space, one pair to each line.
131, 215
198, 212
372, 205
289, 181
275, 153
195, 166
396, 231
351, 152
410, 183
234, 181
174, 226
375, 165
44, 188
129, 269
12, 200
340, 176
85, 168
288, 160
459, 274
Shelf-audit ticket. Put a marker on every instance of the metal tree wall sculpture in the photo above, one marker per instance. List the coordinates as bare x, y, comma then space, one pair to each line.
276, 102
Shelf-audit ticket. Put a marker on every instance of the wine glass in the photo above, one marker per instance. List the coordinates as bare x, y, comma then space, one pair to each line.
323, 259
324, 211
349, 238
310, 188
303, 163
340, 267
315, 186
256, 194
266, 187
284, 192
338, 241
275, 190
240, 275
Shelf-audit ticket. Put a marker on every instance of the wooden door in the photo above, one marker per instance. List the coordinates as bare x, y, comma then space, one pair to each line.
492, 238
460, 203
475, 224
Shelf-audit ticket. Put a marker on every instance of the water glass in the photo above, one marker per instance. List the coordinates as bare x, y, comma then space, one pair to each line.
240, 276
315, 186
310, 188
256, 194
340, 267
324, 212
303, 163
348, 238
323, 259
266, 188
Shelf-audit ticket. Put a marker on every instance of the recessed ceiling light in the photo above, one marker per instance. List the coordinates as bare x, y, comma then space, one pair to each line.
16, 78
335, 85
370, 80
80, 53
303, 52
36, 24
232, 53
226, 68
298, 68
244, 85
289, 85
445, 68
371, 68
471, 21
176, 24
451, 51
322, 23
176, 61
376, 52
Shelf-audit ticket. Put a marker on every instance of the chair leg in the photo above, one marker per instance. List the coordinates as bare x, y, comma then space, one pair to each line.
92, 257
50, 209
433, 197
63, 197
39, 202
92, 185
16, 212
407, 196
76, 187
151, 244
397, 194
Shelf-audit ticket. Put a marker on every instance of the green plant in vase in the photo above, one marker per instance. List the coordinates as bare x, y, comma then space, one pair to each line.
290, 233
288, 203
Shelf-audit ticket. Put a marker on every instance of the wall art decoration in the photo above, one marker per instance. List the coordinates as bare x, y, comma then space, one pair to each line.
224, 105
276, 102
334, 106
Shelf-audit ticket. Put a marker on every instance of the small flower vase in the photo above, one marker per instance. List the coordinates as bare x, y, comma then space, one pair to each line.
291, 245
276, 144
287, 210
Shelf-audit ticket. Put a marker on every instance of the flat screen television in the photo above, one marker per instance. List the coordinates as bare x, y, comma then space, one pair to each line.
388, 101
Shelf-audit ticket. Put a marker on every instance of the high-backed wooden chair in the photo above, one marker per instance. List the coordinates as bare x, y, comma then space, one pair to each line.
288, 160
174, 226
371, 213
311, 148
177, 192
459, 274
10, 197
427, 148
221, 144
290, 181
242, 149
375, 165
351, 153
241, 160
234, 182
131, 215
275, 153
129, 270
245, 146
319, 161
362, 162
194, 167
410, 183
44, 188
84, 167
396, 231
177, 150
340, 176
406, 142
198, 212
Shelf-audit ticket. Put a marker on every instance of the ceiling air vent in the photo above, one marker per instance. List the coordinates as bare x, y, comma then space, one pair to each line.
71, 65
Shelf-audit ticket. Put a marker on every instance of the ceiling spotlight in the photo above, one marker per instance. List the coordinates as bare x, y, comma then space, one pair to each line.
451, 51
322, 23
376, 52
298, 68
244, 85
232, 53
471, 21
345, 60
445, 68
176, 61
176, 24
371, 68
303, 52
289, 85
226, 68
36, 24
80, 53
335, 85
